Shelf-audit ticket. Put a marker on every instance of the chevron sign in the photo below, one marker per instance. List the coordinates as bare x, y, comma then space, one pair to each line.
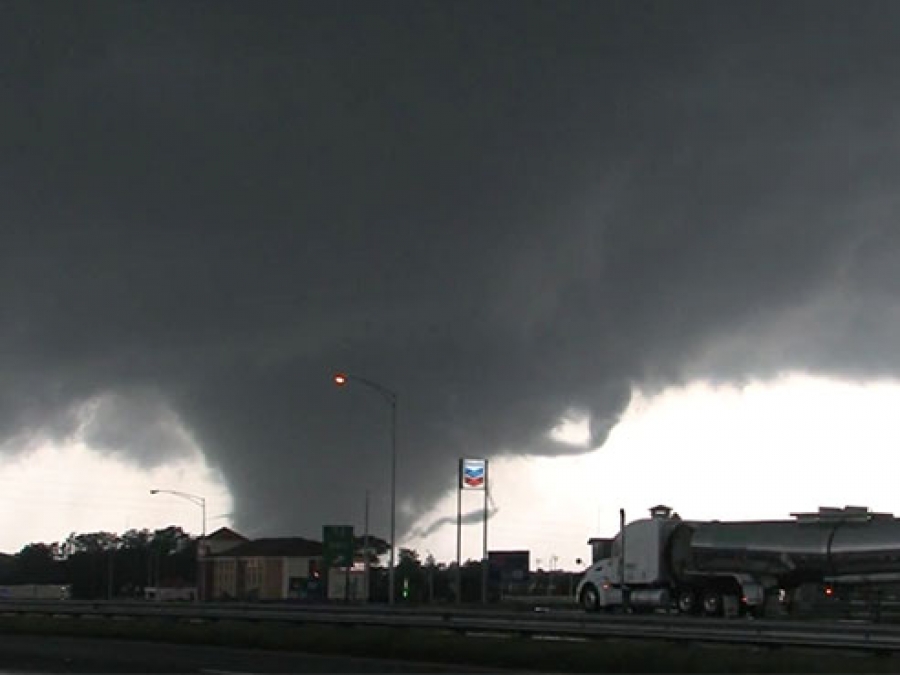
474, 474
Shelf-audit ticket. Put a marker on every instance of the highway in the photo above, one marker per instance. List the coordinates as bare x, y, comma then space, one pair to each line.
166, 638
49, 654
561, 623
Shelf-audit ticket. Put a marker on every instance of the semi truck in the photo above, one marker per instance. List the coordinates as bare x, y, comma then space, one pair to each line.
745, 567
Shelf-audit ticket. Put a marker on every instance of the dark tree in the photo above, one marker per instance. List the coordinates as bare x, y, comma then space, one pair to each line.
37, 564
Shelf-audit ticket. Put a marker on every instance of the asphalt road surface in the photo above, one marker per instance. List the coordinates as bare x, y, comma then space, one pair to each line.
51, 654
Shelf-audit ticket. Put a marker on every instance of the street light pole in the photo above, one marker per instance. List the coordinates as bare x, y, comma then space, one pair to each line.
340, 379
201, 502
393, 496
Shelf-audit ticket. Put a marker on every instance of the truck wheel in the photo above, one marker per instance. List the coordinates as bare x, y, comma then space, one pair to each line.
712, 603
687, 601
590, 599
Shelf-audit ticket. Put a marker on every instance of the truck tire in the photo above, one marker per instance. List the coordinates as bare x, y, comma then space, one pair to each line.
590, 598
712, 602
687, 601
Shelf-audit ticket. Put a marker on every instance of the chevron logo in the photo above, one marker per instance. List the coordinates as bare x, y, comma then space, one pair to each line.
474, 474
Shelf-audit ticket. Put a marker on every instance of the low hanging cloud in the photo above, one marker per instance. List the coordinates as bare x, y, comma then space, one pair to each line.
474, 516
502, 214
138, 424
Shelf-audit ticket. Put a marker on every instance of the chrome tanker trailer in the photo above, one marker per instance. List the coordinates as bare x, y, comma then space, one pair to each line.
705, 566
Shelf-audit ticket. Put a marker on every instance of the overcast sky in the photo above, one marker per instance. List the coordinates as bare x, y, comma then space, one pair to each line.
510, 213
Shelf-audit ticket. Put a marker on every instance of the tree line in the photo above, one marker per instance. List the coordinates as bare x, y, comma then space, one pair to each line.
105, 564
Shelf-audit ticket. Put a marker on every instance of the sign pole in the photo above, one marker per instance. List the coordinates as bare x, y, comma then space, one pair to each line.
459, 479
626, 596
484, 549
366, 548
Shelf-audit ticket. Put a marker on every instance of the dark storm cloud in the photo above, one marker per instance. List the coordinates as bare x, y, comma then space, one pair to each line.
137, 424
504, 211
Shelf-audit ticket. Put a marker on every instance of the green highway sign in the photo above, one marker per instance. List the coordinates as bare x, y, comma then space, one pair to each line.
337, 545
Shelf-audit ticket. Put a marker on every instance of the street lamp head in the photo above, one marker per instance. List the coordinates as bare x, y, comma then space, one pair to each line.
340, 379
153, 492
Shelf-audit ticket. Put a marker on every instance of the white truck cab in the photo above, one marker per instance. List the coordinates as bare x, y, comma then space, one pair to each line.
599, 587
641, 547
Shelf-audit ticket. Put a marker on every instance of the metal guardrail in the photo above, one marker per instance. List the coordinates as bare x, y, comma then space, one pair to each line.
830, 634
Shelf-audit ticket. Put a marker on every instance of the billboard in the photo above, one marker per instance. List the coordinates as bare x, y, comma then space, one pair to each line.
473, 474
509, 567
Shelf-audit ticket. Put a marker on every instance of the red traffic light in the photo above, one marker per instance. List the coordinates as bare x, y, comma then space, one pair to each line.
340, 379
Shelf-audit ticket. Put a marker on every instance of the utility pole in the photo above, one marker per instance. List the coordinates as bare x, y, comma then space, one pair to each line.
366, 547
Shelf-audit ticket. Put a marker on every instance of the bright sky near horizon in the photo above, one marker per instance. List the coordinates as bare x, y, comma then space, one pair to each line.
54, 490
762, 450
727, 452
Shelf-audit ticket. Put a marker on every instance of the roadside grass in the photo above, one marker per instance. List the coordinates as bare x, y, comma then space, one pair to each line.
517, 653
